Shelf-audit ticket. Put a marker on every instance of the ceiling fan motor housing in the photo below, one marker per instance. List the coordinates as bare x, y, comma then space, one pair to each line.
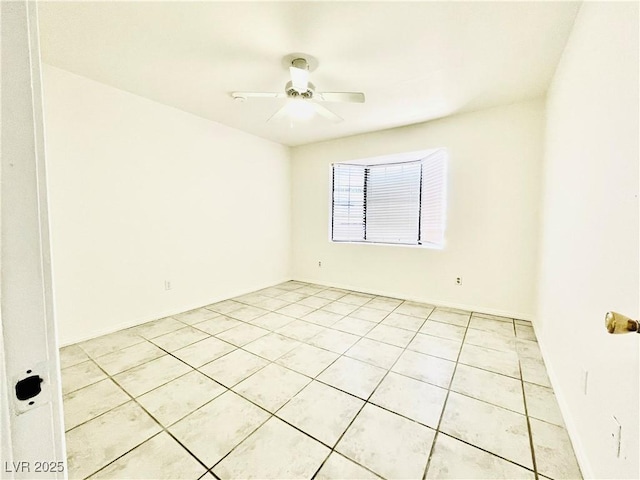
300, 63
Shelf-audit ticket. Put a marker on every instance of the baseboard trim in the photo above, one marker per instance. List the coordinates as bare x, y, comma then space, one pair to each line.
162, 314
431, 301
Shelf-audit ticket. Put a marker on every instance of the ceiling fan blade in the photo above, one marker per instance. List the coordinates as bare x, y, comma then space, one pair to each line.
326, 113
245, 95
350, 97
282, 112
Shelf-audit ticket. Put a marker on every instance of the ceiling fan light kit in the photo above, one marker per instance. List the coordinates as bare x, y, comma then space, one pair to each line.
298, 109
301, 93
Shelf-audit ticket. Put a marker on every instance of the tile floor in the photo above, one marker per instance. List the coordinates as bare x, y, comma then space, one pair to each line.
305, 381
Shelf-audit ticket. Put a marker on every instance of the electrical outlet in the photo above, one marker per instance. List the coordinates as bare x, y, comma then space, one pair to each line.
458, 280
616, 436
167, 284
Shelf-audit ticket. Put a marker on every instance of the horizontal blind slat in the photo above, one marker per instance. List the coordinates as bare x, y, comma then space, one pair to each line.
393, 203
433, 199
404, 203
348, 203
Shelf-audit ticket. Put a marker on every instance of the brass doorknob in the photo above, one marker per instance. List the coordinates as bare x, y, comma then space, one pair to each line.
618, 323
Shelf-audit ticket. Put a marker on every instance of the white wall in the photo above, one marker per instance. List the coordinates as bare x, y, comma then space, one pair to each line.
492, 214
141, 193
589, 248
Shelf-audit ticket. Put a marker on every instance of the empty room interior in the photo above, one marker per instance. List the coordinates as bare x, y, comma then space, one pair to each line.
343, 240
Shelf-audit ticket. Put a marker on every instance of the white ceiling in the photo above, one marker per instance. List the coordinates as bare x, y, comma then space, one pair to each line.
415, 61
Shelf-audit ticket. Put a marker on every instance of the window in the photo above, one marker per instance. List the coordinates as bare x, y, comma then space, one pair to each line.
394, 200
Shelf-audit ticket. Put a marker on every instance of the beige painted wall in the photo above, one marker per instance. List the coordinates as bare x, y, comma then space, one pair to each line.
589, 249
492, 214
141, 193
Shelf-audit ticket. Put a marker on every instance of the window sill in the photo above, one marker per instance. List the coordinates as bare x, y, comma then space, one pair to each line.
427, 246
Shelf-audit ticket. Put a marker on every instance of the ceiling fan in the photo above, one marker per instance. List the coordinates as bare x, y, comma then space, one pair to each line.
302, 96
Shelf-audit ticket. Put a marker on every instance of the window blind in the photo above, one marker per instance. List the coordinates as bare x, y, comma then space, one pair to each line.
393, 203
433, 207
401, 202
348, 203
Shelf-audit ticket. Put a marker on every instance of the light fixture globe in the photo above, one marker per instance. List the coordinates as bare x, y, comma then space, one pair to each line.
300, 109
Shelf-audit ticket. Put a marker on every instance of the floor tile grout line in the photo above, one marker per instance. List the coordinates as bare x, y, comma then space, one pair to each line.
147, 340
338, 442
529, 430
190, 344
141, 363
240, 394
120, 456
205, 477
271, 415
162, 427
167, 353
202, 477
108, 353
174, 317
275, 414
466, 442
367, 400
381, 322
444, 404
343, 354
259, 369
526, 415
303, 342
121, 387
64, 394
268, 359
150, 339
340, 355
312, 379
336, 452
359, 410
101, 413
131, 397
208, 469
389, 369
187, 449
462, 394
166, 429
79, 344
486, 369
135, 366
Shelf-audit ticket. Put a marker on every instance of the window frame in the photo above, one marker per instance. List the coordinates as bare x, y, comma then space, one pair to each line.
408, 157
